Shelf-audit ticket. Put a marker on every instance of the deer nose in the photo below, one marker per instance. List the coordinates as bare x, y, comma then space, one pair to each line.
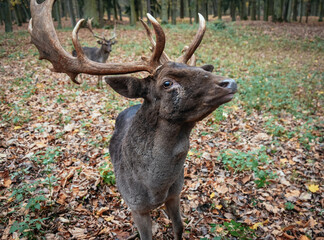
229, 83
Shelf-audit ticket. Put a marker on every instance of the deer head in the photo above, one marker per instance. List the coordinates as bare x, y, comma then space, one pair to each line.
105, 43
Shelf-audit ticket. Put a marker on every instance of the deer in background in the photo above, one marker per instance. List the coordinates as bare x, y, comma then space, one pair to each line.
99, 54
150, 142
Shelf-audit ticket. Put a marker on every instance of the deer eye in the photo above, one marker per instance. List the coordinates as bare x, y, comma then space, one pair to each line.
167, 84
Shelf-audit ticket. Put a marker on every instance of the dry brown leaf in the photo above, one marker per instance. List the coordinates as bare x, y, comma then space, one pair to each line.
102, 210
303, 237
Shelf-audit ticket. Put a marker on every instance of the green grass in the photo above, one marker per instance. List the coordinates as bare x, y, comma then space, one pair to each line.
256, 161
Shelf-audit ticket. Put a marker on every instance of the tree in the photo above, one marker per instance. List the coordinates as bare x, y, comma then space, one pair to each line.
253, 10
90, 11
295, 10
301, 10
259, 9
182, 9
132, 12
58, 13
196, 5
164, 9
148, 9
320, 19
266, 10
6, 12
243, 14
101, 11
219, 9
233, 10
71, 12
174, 12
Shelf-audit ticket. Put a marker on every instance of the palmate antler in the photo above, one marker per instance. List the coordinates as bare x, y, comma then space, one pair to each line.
44, 37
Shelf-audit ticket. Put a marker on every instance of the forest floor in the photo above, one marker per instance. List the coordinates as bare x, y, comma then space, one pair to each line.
255, 165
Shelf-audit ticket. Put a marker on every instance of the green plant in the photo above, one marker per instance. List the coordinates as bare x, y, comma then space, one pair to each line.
251, 161
289, 206
107, 173
234, 229
28, 227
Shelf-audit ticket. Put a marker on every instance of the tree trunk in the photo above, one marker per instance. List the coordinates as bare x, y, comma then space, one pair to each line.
232, 10
219, 10
308, 9
196, 11
101, 11
271, 7
253, 10
120, 12
132, 13
25, 6
148, 8
265, 10
90, 11
140, 9
18, 15
181, 9
206, 9
71, 12
295, 10
214, 8
174, 12
5, 6
320, 19
301, 10
190, 11
164, 6
243, 15
58, 13
259, 9
107, 5
115, 10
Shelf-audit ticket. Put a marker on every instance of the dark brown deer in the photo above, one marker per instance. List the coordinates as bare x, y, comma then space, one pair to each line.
151, 141
99, 54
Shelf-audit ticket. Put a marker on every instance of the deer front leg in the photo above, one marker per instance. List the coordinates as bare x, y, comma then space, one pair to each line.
143, 224
173, 209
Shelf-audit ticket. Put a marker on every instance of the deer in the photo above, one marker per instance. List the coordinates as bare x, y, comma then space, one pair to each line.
150, 142
101, 54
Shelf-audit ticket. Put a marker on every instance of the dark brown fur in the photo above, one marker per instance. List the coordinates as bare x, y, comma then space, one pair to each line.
151, 141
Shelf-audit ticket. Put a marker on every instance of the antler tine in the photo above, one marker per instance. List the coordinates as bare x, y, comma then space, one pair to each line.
89, 26
44, 37
114, 32
195, 43
164, 58
160, 41
193, 59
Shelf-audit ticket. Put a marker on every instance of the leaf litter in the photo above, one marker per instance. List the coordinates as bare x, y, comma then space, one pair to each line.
54, 138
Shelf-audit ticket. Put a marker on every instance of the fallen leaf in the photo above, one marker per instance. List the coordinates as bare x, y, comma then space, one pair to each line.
303, 237
256, 225
313, 188
212, 195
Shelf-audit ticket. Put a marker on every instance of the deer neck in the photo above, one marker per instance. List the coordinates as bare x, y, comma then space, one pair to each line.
164, 140
104, 54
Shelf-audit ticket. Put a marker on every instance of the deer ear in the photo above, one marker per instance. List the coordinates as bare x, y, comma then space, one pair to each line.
127, 86
208, 68
99, 42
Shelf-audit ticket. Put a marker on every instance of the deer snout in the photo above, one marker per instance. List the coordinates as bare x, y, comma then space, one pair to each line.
230, 84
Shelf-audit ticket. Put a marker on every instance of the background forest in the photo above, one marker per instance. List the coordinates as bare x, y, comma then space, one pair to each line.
168, 10
255, 165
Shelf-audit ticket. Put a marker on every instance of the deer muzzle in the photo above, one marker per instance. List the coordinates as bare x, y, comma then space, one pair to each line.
229, 84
